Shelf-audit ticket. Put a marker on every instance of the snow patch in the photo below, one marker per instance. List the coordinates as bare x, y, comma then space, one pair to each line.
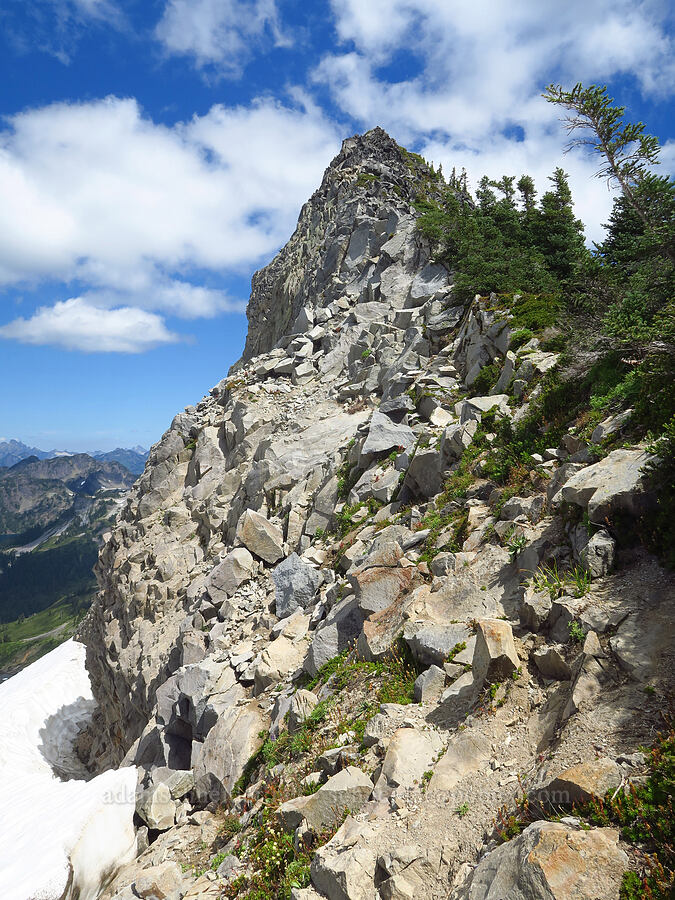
51, 826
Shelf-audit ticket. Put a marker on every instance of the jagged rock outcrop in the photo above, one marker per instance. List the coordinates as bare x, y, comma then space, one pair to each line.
362, 277
329, 503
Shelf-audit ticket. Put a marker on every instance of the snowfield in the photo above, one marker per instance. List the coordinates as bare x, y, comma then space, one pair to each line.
57, 836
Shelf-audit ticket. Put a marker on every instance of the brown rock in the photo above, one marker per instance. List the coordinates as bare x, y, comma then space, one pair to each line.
550, 861
495, 657
581, 782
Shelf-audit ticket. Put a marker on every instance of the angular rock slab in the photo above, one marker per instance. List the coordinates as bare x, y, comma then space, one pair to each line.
344, 868
495, 657
295, 585
156, 807
466, 753
301, 706
159, 882
260, 536
377, 588
229, 574
579, 783
550, 861
349, 789
279, 659
429, 684
337, 631
616, 483
230, 744
385, 436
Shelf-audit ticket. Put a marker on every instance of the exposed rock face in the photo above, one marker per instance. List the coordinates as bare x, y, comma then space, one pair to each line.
300, 515
552, 861
340, 230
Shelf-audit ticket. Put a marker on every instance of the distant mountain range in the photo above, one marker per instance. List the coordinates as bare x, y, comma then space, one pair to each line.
38, 493
133, 458
53, 513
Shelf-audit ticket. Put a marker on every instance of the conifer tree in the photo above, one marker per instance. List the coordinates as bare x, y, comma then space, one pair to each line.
558, 233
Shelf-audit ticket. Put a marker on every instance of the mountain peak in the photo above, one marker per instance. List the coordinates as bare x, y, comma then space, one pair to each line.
367, 191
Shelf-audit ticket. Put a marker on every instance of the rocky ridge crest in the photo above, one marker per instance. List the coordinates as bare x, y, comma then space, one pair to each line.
300, 513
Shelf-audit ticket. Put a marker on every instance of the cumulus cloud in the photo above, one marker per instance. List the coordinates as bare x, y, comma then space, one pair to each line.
218, 34
77, 325
178, 298
96, 190
100, 193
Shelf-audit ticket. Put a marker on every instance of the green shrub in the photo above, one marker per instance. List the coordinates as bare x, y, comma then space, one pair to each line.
659, 527
520, 337
486, 380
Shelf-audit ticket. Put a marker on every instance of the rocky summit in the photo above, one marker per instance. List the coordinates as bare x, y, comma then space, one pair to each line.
349, 659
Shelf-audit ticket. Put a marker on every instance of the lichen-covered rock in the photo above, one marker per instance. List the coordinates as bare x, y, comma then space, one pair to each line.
550, 861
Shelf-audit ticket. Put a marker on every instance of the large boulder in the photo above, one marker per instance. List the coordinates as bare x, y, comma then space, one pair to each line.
597, 556
424, 475
301, 706
616, 483
550, 861
229, 574
380, 631
429, 684
472, 409
349, 789
336, 633
431, 643
230, 744
385, 436
280, 658
466, 753
455, 439
551, 663
579, 783
260, 536
495, 657
344, 868
295, 585
378, 587
156, 807
161, 882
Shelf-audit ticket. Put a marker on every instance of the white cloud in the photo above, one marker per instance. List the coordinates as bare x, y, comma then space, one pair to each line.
95, 9
178, 298
96, 190
218, 33
99, 193
76, 325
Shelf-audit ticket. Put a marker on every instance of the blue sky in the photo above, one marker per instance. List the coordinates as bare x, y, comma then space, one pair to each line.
154, 153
